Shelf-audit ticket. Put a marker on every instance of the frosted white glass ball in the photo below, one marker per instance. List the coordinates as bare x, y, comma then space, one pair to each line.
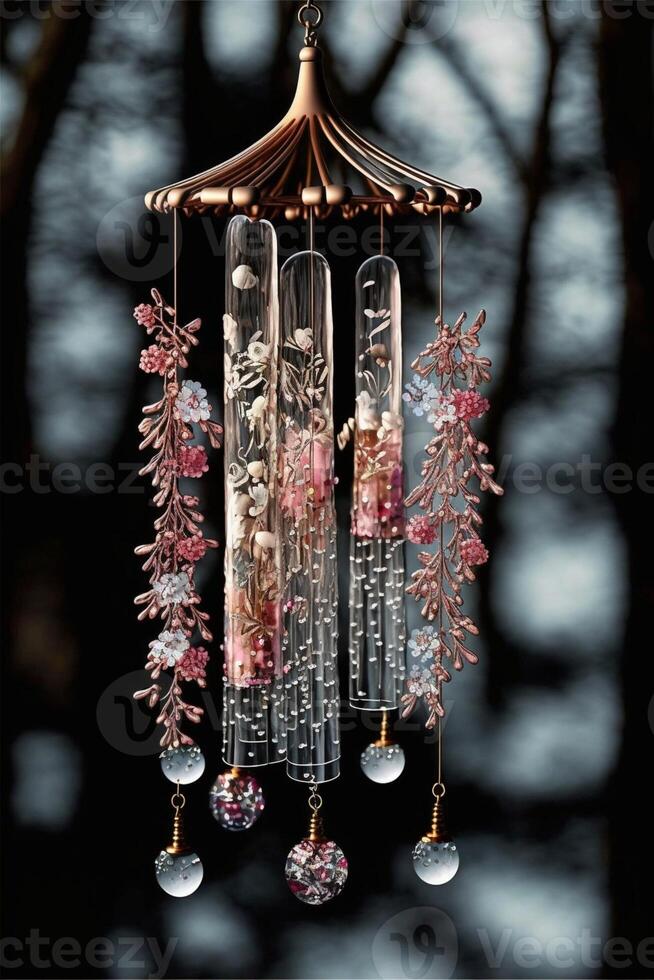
183, 764
435, 863
382, 764
179, 874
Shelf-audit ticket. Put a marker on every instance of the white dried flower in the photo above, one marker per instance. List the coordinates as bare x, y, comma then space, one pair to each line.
191, 404
256, 469
366, 414
237, 529
172, 588
265, 539
259, 353
243, 277
257, 409
169, 647
259, 494
303, 338
230, 328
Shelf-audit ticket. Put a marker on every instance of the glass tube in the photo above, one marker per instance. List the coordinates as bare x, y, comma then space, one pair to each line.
253, 716
377, 633
308, 520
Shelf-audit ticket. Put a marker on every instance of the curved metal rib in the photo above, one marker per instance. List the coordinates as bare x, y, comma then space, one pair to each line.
367, 171
213, 174
351, 135
267, 167
323, 170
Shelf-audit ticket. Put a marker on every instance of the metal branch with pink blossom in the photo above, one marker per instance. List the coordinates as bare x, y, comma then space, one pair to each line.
445, 385
167, 429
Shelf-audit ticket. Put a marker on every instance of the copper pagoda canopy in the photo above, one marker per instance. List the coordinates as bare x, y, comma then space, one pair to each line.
304, 161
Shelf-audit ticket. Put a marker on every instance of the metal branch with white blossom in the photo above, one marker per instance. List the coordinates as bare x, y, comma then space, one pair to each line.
167, 428
445, 385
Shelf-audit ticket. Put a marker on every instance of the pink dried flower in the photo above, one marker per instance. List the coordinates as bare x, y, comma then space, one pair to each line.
155, 360
470, 404
192, 461
452, 459
144, 315
193, 548
192, 665
421, 530
473, 552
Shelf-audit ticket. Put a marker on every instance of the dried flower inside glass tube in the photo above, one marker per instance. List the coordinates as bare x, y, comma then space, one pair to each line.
308, 520
377, 622
253, 730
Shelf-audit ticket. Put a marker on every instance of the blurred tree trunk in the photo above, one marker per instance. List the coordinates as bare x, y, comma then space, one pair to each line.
533, 177
625, 74
47, 80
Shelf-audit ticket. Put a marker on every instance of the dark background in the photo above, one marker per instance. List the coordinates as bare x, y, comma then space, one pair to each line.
547, 108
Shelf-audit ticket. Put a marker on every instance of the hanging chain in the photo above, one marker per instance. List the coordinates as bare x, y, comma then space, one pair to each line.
310, 17
315, 799
177, 800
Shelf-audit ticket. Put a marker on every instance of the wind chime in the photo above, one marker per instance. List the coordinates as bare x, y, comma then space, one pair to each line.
281, 680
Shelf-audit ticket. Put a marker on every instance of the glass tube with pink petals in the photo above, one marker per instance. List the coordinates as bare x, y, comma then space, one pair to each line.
308, 520
253, 730
377, 632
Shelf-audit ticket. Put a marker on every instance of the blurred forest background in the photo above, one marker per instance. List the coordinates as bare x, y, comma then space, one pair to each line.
547, 108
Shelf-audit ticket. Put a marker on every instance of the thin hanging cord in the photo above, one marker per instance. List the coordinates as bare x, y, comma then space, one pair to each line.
312, 479
441, 276
175, 265
381, 229
441, 264
174, 440
311, 326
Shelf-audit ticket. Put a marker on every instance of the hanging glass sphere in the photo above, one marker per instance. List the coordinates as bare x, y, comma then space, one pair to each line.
179, 875
236, 801
382, 763
183, 764
435, 862
316, 871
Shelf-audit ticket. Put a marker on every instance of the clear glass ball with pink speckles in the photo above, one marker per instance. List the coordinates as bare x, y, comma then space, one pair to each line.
236, 800
316, 871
